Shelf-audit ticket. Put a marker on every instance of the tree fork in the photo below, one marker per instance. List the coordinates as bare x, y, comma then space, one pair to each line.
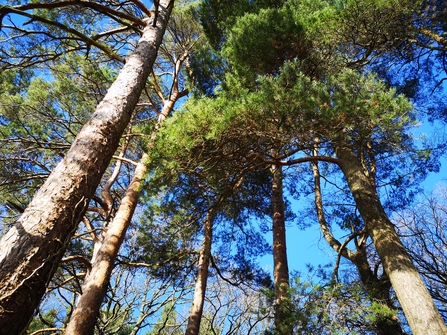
33, 247
413, 296
375, 287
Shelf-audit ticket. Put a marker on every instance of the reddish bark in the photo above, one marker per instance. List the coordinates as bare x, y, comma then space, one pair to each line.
280, 264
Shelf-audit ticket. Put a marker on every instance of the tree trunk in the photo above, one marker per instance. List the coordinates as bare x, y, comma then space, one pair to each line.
378, 289
416, 302
84, 316
33, 247
280, 266
195, 314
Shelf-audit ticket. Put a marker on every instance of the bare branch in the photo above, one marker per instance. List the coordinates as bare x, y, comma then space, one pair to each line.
79, 258
343, 246
47, 330
126, 160
143, 8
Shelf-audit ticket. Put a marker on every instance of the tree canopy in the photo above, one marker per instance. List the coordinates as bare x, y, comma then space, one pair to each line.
153, 155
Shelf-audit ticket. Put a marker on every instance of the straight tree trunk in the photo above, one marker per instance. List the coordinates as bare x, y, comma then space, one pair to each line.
195, 313
417, 304
33, 247
280, 265
378, 289
87, 308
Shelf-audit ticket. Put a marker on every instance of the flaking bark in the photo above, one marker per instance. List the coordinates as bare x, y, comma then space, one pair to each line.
95, 284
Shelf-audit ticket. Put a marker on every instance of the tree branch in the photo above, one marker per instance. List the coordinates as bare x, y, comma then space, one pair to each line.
143, 8
311, 159
79, 258
87, 40
343, 246
47, 330
95, 6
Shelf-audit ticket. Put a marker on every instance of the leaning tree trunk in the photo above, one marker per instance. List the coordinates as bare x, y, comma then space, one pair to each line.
379, 291
417, 304
195, 313
32, 248
377, 288
87, 308
280, 266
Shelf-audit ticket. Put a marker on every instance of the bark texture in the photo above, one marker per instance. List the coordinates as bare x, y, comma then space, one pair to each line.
417, 304
280, 265
33, 247
195, 313
87, 308
84, 316
377, 288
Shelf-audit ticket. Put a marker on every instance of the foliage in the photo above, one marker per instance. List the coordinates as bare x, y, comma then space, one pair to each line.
47, 320
40, 117
288, 76
167, 324
318, 306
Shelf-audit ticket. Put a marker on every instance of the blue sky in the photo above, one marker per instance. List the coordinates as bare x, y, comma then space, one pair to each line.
309, 247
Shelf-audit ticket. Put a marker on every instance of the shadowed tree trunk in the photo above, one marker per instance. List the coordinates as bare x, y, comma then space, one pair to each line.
280, 265
33, 247
195, 314
416, 302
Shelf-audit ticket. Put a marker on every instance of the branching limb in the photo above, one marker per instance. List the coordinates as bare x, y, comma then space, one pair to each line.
342, 247
327, 234
219, 273
79, 258
87, 40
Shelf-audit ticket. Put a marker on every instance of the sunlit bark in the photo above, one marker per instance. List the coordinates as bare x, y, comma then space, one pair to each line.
195, 313
416, 302
31, 250
377, 288
95, 285
280, 265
